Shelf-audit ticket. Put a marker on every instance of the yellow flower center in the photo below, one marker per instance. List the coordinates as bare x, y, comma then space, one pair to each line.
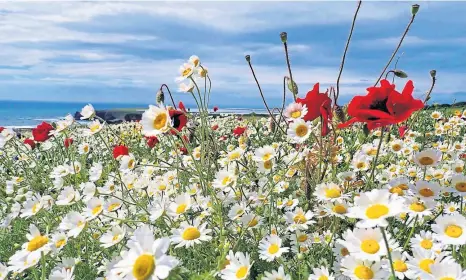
332, 193
453, 231
234, 155
191, 233
447, 278
426, 244
35, 208
302, 238
299, 219
37, 243
226, 181
60, 243
242, 272
426, 192
86, 149
396, 147
186, 72
376, 211
417, 207
115, 237
273, 249
425, 265
459, 169
296, 114
461, 187
268, 164
253, 222
143, 267
426, 161
360, 165
113, 206
323, 277
162, 187
130, 163
160, 121
370, 246
94, 127
181, 208
344, 252
397, 190
266, 157
400, 266
96, 210
302, 130
339, 209
363, 272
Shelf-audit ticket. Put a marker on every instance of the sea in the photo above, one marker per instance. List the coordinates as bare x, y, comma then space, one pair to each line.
26, 114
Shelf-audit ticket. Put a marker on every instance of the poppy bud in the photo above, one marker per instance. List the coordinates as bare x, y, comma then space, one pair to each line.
400, 73
433, 73
68, 142
340, 113
248, 58
160, 97
292, 86
283, 37
414, 9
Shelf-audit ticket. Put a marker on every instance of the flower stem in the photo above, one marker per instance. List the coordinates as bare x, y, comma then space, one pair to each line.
346, 48
371, 178
388, 252
410, 233
397, 48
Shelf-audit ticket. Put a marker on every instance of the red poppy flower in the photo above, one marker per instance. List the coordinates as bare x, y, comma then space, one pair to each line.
1, 129
119, 151
318, 105
215, 127
215, 109
383, 106
30, 142
68, 142
183, 150
181, 106
179, 119
402, 130
238, 131
152, 141
41, 132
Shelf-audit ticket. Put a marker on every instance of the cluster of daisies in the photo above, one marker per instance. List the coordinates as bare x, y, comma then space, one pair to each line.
182, 196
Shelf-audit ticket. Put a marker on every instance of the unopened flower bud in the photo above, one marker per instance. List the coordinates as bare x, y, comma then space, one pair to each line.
414, 9
160, 97
433, 73
400, 73
248, 58
283, 37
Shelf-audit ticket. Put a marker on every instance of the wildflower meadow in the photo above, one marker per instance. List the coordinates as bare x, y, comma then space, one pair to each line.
318, 190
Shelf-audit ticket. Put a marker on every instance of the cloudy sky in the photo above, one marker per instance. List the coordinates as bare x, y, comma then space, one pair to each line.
122, 51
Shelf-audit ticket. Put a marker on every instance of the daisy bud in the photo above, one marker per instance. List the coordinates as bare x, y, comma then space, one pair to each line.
283, 37
248, 58
433, 73
414, 9
160, 97
300, 256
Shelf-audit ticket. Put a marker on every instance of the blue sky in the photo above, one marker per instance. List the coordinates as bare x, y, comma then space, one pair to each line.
122, 51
